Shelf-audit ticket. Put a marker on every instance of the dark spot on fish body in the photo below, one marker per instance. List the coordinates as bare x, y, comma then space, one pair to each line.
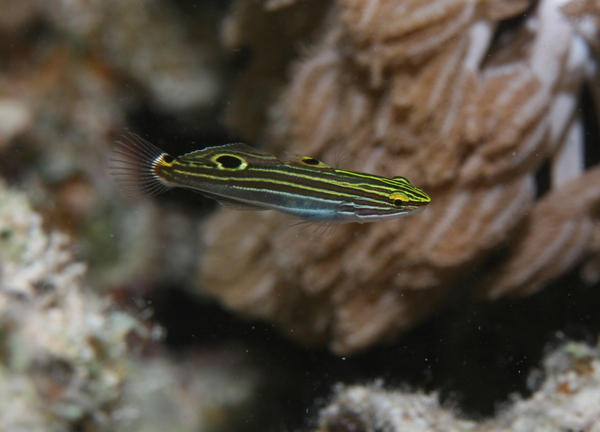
229, 162
167, 158
310, 161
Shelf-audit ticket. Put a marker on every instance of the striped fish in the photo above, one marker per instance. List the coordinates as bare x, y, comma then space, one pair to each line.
240, 176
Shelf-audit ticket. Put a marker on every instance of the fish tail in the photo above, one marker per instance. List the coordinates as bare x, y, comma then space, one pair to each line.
137, 166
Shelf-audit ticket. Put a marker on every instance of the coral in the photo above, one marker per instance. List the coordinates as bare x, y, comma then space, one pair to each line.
566, 400
560, 231
68, 358
467, 99
208, 392
74, 73
243, 29
63, 351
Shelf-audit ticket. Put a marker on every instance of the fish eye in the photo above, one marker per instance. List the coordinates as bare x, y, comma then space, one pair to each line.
310, 161
399, 199
230, 162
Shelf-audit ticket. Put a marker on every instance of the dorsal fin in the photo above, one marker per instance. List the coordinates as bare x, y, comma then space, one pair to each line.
307, 161
248, 153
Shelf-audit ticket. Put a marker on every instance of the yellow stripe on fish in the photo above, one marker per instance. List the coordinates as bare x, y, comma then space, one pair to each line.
241, 176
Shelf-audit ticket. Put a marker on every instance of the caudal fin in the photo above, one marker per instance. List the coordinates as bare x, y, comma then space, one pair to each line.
135, 165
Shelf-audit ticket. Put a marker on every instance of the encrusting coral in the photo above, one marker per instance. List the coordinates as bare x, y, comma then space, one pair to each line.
69, 360
63, 351
465, 98
566, 400
212, 391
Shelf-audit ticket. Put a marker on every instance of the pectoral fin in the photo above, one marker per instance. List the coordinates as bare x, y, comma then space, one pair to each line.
231, 203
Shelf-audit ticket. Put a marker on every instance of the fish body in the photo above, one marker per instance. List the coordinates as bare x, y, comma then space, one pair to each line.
240, 176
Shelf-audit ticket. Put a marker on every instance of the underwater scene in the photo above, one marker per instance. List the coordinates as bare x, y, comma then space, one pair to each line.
299, 215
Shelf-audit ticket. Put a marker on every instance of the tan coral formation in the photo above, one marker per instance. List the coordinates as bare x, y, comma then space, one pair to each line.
426, 91
567, 400
562, 229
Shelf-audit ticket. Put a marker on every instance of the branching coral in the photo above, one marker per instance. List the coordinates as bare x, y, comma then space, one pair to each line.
567, 400
465, 105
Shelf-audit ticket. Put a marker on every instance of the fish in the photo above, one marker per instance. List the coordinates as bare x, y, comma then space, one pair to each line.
240, 176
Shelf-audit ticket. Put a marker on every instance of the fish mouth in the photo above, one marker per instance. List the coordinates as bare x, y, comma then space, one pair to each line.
392, 213
420, 207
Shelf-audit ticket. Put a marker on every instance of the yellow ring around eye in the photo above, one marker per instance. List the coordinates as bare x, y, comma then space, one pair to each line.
398, 196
